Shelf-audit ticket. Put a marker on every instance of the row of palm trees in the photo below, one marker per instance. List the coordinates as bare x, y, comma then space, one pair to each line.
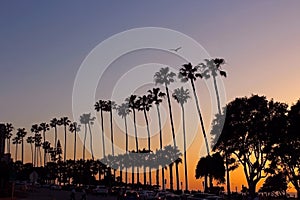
132, 104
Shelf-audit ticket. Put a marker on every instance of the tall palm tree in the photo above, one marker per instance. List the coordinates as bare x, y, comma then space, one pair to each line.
123, 111
44, 127
212, 68
189, 73
156, 96
133, 106
64, 121
54, 123
109, 106
144, 104
36, 130
46, 146
38, 144
165, 77
87, 120
181, 95
99, 106
8, 133
30, 140
21, 133
74, 128
16, 140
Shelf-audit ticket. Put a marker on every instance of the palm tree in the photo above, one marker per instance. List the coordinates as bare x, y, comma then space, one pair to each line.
54, 123
74, 128
16, 140
213, 68
181, 95
156, 96
44, 127
109, 106
189, 73
8, 133
46, 146
144, 104
131, 101
99, 106
21, 133
30, 140
64, 121
35, 129
38, 144
87, 120
123, 111
166, 77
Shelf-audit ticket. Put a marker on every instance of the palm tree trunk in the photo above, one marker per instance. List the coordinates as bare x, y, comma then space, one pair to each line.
102, 128
16, 153
31, 154
217, 94
75, 144
177, 176
40, 156
171, 115
44, 135
83, 153
34, 163
160, 145
91, 141
126, 147
22, 150
112, 134
149, 143
65, 148
136, 144
227, 176
184, 149
163, 177
55, 137
200, 117
171, 176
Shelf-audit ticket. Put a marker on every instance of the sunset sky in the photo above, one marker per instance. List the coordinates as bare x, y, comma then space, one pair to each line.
43, 44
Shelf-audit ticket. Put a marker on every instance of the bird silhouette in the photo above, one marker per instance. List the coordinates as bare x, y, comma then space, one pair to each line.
176, 50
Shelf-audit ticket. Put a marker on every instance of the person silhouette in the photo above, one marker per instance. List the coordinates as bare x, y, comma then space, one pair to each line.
83, 197
73, 192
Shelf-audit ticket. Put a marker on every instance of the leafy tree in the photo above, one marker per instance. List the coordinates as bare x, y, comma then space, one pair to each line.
275, 186
252, 127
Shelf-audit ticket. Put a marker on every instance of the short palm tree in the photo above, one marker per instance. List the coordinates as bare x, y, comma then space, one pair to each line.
8, 133
99, 106
181, 95
53, 124
64, 121
87, 120
16, 141
189, 73
21, 133
30, 140
44, 127
74, 128
109, 106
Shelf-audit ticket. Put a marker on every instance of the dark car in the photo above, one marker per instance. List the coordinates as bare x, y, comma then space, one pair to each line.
131, 195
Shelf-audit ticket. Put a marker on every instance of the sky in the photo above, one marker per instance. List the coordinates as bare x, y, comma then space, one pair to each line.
43, 44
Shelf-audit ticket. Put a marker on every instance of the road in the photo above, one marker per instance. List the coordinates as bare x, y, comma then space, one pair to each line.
47, 194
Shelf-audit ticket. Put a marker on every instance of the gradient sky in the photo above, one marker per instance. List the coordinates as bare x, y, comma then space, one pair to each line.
43, 43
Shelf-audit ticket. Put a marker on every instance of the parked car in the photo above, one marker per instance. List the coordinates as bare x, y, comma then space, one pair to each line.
203, 196
100, 189
131, 195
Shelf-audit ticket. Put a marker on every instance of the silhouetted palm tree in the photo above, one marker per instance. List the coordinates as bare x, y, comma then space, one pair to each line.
189, 73
87, 120
38, 144
16, 140
64, 121
44, 127
46, 146
8, 133
30, 140
166, 77
74, 128
35, 129
109, 106
99, 106
156, 96
54, 123
123, 111
132, 105
181, 95
21, 133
